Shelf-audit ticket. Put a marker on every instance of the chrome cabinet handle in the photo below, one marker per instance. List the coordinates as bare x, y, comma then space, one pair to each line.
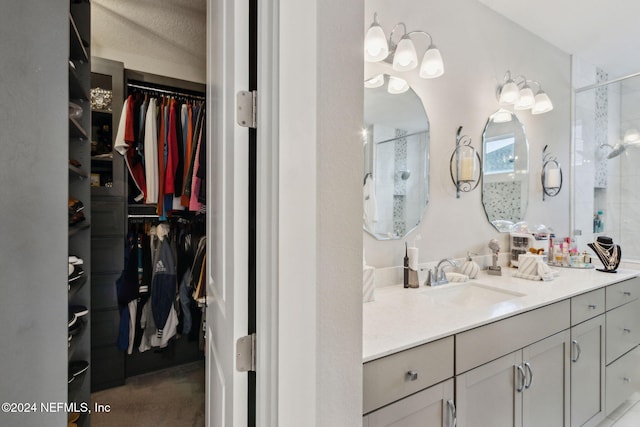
627, 330
627, 293
453, 418
520, 379
528, 366
412, 375
578, 350
626, 379
592, 306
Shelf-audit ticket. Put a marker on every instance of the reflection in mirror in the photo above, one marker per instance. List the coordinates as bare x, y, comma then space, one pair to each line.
396, 154
505, 166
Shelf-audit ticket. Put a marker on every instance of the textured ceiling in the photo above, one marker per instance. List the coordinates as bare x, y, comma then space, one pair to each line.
602, 33
172, 29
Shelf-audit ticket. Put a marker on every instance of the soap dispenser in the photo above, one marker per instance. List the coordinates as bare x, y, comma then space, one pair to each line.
470, 267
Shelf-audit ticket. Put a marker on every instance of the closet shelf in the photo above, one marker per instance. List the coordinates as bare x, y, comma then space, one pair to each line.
77, 50
76, 130
76, 88
75, 229
78, 172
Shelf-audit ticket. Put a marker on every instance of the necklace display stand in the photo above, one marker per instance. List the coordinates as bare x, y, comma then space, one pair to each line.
608, 252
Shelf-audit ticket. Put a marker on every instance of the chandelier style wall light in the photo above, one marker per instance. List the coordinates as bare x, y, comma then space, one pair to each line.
518, 93
401, 54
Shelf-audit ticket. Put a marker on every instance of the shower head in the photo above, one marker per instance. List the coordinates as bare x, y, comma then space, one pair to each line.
616, 150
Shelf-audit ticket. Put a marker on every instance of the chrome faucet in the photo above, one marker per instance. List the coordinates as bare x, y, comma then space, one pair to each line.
436, 276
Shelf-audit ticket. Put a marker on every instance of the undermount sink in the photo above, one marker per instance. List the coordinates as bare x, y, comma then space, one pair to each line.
469, 295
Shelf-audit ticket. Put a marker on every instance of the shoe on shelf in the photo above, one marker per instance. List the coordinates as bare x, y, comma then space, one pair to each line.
78, 367
76, 328
78, 310
75, 206
77, 284
75, 260
76, 218
72, 319
75, 272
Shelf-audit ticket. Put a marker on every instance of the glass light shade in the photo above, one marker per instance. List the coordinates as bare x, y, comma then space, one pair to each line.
510, 93
543, 104
397, 85
432, 65
632, 136
374, 82
405, 57
526, 100
501, 116
375, 44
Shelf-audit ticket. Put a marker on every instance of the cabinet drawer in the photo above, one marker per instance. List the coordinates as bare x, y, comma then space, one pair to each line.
107, 218
486, 343
587, 306
622, 379
623, 330
623, 292
387, 379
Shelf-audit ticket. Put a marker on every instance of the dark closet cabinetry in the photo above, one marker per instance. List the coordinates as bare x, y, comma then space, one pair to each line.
108, 210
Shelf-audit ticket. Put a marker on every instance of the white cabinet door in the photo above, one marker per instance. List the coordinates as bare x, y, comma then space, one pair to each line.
545, 399
432, 407
486, 395
587, 372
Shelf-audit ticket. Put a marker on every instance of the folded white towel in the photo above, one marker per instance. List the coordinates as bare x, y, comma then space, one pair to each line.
456, 277
533, 267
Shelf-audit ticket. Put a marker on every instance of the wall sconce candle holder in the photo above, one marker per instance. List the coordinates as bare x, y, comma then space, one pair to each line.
462, 165
551, 175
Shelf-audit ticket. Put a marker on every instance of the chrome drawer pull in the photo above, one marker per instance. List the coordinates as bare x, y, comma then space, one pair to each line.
627, 330
520, 379
626, 380
412, 375
452, 413
592, 306
627, 293
578, 350
528, 366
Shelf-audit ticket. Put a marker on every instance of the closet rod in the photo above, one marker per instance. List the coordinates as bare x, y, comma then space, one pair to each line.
170, 92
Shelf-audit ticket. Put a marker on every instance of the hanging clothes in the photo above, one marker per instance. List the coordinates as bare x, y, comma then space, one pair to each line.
125, 145
151, 152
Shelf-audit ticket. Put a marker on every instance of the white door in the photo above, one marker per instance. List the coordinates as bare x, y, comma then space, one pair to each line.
227, 212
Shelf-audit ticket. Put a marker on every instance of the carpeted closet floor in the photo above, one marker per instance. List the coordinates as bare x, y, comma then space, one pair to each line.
171, 397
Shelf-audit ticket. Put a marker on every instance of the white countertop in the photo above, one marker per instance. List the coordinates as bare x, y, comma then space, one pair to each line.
402, 318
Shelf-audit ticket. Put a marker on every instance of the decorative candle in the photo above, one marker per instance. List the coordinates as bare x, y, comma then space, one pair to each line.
552, 178
467, 166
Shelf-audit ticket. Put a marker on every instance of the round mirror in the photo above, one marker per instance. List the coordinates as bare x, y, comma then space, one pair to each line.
396, 155
505, 170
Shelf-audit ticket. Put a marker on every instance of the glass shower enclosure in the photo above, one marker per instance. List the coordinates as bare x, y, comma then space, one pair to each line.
606, 164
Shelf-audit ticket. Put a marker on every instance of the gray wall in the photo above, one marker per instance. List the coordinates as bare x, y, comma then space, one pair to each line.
33, 230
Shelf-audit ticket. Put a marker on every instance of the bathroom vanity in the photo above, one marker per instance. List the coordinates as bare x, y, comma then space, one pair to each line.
502, 351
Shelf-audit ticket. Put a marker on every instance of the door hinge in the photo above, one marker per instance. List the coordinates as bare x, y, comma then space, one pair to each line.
246, 108
246, 353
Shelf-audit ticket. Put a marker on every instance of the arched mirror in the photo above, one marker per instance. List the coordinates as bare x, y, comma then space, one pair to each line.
505, 170
396, 153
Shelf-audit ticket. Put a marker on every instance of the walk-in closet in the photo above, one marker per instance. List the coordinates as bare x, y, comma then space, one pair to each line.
137, 212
